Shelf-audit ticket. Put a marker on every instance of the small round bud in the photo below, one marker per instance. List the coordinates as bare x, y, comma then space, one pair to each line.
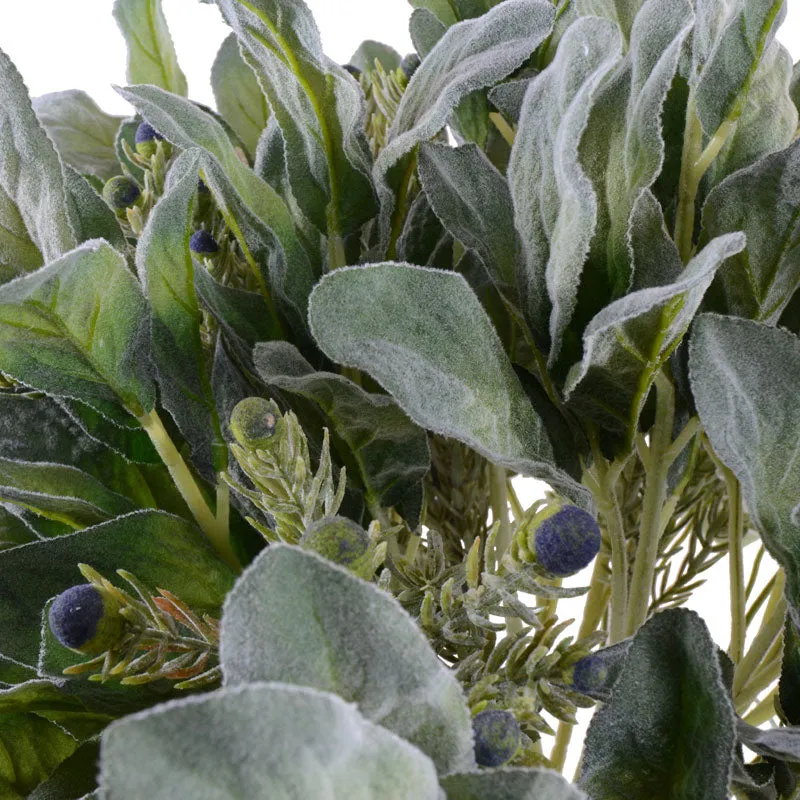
353, 70
589, 674
146, 138
497, 737
565, 541
203, 242
339, 540
410, 64
85, 619
121, 192
253, 422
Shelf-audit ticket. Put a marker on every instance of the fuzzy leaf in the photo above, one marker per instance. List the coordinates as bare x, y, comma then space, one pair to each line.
745, 381
623, 12
425, 30
423, 335
160, 549
510, 783
370, 51
629, 341
151, 53
77, 328
238, 95
340, 634
74, 777
554, 203
30, 169
669, 729
18, 253
319, 107
442, 9
89, 215
780, 743
83, 133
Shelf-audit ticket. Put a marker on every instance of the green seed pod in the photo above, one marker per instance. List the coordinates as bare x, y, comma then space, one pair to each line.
340, 540
86, 619
121, 192
254, 422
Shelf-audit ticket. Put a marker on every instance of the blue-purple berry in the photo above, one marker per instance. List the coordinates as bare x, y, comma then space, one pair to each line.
353, 70
75, 614
497, 737
567, 541
589, 674
121, 192
147, 133
202, 242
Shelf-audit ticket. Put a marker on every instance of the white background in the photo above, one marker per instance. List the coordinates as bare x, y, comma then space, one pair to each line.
59, 45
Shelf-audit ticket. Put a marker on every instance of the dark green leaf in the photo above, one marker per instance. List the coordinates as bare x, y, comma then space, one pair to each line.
89, 215
789, 685
780, 743
74, 778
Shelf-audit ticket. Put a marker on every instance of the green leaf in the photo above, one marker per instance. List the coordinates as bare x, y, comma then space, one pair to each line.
668, 731
443, 9
629, 341
263, 740
510, 783
127, 134
391, 451
13, 529
763, 200
160, 549
83, 133
238, 95
30, 169
554, 203
789, 684
470, 56
472, 199
89, 214
370, 51
340, 634
166, 270
319, 107
77, 327
424, 336
18, 253
745, 381
623, 12
426, 30
74, 778
151, 53
781, 743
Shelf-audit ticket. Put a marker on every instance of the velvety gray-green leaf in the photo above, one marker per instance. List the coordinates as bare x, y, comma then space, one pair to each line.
781, 743
669, 730
30, 169
151, 52
238, 95
18, 253
423, 334
78, 327
623, 12
340, 634
370, 51
554, 202
263, 740
83, 133
509, 96
425, 29
90, 215
442, 9
510, 783
160, 549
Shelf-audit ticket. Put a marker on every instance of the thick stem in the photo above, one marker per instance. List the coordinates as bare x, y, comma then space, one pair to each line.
736, 568
558, 755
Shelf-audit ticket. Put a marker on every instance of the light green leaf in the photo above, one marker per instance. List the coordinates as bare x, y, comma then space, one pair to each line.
443, 9
554, 203
13, 529
319, 107
623, 12
340, 634
390, 451
470, 56
30, 169
260, 741
160, 549
370, 51
745, 381
18, 253
510, 783
668, 731
763, 200
74, 777
471, 198
151, 52
83, 133
629, 341
77, 327
90, 215
423, 334
238, 95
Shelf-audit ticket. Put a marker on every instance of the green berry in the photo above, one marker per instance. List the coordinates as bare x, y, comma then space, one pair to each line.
254, 421
121, 192
339, 540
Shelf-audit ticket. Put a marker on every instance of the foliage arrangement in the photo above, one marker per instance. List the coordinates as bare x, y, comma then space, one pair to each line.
265, 371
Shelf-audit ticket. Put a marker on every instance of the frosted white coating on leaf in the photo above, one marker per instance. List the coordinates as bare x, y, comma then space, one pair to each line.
554, 203
30, 169
18, 253
296, 617
623, 12
151, 52
425, 29
782, 743
261, 741
510, 783
424, 336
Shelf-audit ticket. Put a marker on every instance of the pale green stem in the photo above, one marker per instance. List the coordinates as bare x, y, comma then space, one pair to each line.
215, 531
506, 131
499, 500
558, 755
223, 502
516, 506
336, 254
654, 497
765, 677
763, 712
736, 568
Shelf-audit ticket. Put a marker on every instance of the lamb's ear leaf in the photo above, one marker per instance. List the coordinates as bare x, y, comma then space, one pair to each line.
370, 51
74, 777
471, 55
18, 253
244, 742
424, 336
745, 380
160, 549
781, 743
238, 95
391, 452
77, 327
319, 107
623, 12
31, 176
426, 30
510, 783
151, 52
341, 634
89, 215
629, 341
442, 9
763, 201
83, 133
668, 707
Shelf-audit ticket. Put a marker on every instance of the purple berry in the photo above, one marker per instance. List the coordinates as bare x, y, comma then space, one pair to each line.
589, 674
121, 192
203, 242
147, 133
567, 541
75, 614
497, 737
410, 64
